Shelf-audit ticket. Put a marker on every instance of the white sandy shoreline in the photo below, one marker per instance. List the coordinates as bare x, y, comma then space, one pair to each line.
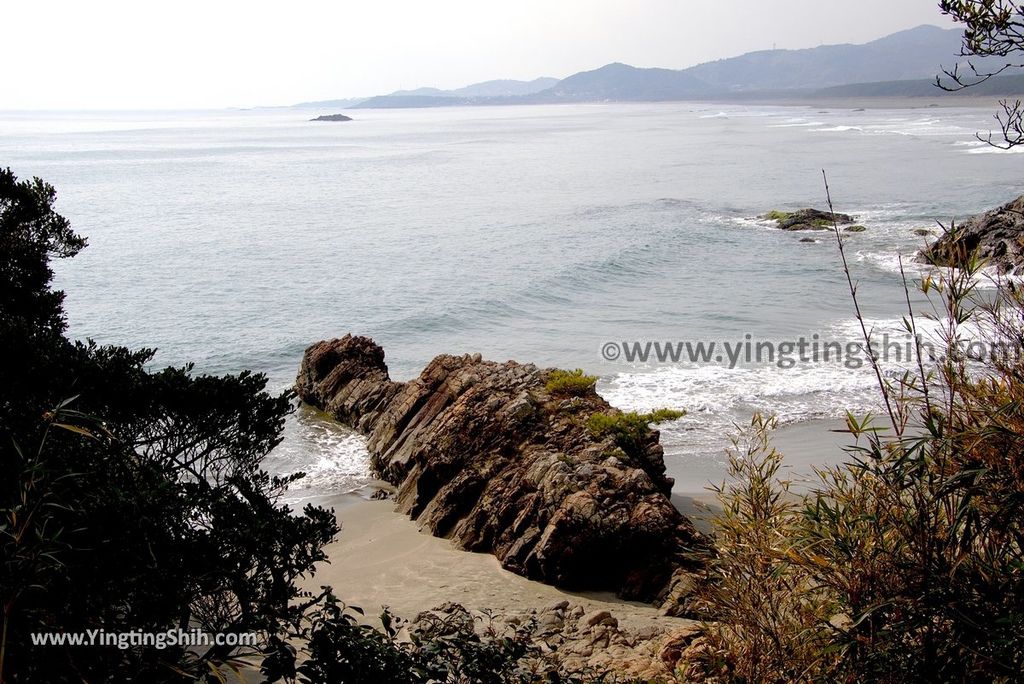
382, 558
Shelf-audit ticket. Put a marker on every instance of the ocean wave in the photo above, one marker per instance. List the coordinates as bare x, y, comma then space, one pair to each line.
800, 123
988, 278
333, 457
888, 261
925, 127
804, 392
985, 148
837, 129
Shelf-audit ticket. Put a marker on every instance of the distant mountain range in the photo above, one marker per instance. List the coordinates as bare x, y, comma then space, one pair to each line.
903, 64
907, 55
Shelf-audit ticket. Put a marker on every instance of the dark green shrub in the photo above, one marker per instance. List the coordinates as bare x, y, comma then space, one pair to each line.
131, 500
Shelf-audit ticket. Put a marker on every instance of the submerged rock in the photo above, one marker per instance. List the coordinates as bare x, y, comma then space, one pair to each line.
806, 219
996, 236
484, 454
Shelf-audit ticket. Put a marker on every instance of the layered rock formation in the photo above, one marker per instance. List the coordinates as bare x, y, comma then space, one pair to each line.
996, 236
483, 453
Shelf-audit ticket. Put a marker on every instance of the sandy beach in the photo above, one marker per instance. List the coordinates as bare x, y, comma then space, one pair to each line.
382, 557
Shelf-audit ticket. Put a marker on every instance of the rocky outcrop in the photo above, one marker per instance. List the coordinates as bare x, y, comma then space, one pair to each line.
996, 236
332, 117
806, 219
566, 643
485, 454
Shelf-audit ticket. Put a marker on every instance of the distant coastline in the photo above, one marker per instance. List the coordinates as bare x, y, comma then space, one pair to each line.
902, 65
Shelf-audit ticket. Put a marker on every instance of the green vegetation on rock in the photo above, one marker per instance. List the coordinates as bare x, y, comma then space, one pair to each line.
573, 383
629, 429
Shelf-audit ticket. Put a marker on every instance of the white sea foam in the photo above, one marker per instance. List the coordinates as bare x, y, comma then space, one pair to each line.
985, 148
837, 129
988, 278
337, 463
797, 123
800, 393
889, 261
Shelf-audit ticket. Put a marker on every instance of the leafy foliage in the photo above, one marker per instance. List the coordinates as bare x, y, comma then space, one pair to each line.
992, 28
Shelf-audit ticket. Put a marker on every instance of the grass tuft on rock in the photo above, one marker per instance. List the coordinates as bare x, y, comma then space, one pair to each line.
630, 429
574, 383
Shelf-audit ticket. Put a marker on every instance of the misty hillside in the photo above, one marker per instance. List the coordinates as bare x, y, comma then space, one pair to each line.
624, 82
999, 86
506, 88
916, 53
497, 88
901, 64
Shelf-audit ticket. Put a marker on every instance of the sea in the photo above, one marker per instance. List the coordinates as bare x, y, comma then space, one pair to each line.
563, 235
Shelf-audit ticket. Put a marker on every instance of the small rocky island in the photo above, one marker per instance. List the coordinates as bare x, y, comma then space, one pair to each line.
560, 486
332, 117
996, 236
810, 219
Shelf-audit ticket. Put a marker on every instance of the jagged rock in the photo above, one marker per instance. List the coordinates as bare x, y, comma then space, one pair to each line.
675, 644
599, 617
997, 236
548, 623
681, 587
806, 219
482, 453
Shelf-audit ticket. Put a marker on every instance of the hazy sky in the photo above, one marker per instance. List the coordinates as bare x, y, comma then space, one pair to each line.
215, 53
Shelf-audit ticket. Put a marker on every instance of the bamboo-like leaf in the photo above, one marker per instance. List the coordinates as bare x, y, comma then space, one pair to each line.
76, 429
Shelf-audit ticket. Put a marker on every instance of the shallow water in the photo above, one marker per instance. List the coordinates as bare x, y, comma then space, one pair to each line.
236, 238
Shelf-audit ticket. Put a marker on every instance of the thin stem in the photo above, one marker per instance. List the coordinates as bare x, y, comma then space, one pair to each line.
896, 425
917, 340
